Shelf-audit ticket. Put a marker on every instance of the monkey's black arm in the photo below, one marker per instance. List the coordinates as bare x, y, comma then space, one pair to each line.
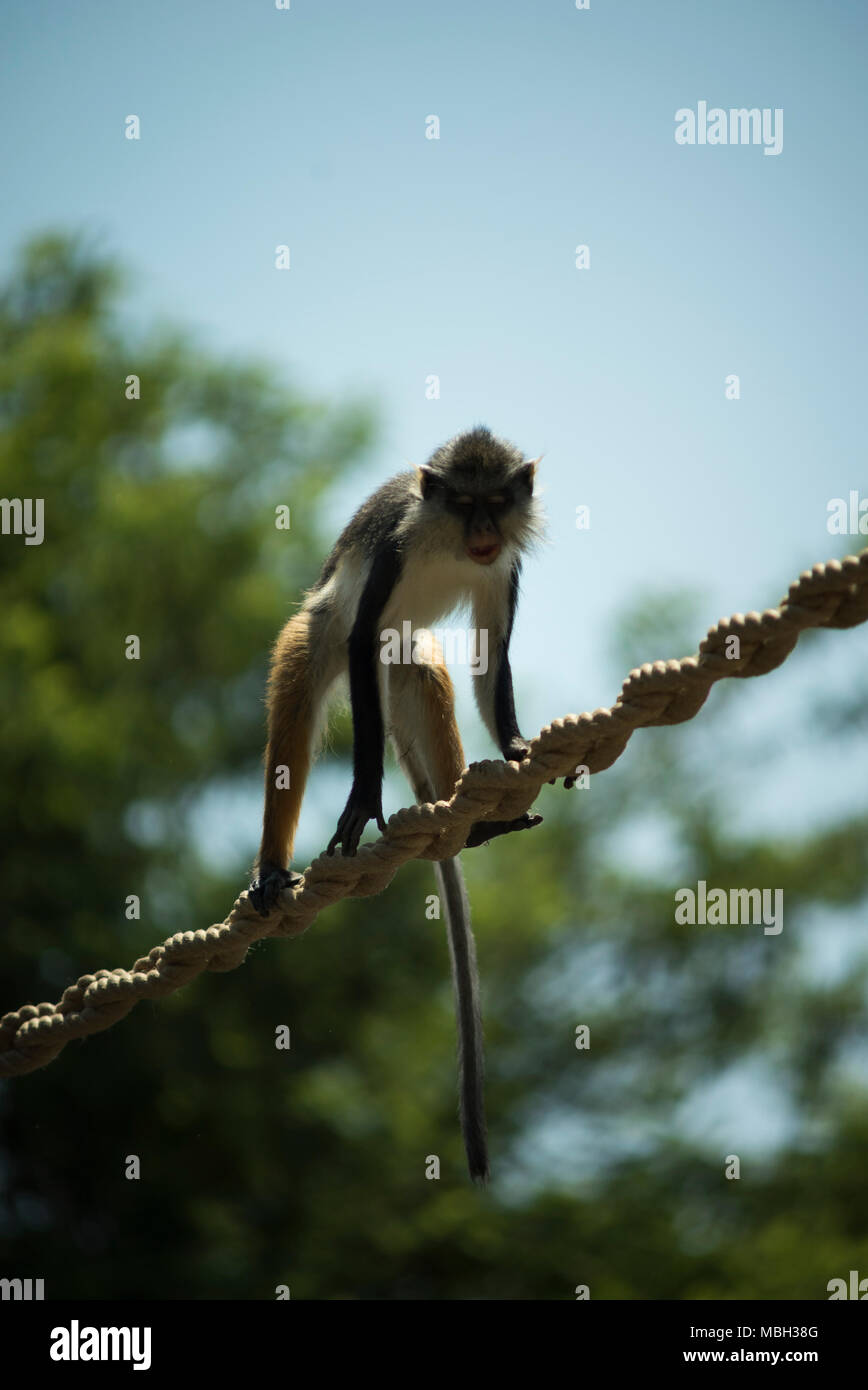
512, 745
366, 795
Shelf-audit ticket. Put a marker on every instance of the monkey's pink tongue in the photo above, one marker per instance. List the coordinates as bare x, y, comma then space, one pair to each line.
484, 553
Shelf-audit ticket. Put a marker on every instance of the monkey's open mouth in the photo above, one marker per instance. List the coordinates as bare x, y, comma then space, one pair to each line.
485, 553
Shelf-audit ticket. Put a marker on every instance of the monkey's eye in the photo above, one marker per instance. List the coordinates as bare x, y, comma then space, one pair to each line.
464, 500
497, 500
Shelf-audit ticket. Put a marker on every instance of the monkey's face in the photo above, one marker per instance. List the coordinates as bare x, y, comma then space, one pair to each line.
479, 515
482, 514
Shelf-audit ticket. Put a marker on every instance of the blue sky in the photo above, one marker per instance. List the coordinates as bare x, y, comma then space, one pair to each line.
456, 257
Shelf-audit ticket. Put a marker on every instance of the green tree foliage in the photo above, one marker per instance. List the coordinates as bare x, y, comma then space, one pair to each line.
262, 1167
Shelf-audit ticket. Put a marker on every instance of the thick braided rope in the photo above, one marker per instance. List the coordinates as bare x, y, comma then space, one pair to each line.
834, 595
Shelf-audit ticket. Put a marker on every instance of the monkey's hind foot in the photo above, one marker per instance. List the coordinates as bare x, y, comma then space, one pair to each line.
265, 890
360, 808
485, 830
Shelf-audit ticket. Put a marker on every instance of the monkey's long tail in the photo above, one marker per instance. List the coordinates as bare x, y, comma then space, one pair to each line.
465, 979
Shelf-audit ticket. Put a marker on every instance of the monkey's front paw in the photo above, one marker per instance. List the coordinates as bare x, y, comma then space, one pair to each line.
485, 830
517, 751
355, 816
265, 891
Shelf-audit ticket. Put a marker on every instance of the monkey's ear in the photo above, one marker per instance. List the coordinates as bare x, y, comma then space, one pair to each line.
426, 479
527, 472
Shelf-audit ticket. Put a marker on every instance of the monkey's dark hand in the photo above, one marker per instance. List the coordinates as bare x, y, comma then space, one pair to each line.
568, 781
354, 817
485, 830
516, 751
266, 889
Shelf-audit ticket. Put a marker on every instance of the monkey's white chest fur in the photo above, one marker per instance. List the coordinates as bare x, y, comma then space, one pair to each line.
430, 587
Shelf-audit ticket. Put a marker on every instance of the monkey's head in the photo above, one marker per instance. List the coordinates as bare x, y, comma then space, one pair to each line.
478, 489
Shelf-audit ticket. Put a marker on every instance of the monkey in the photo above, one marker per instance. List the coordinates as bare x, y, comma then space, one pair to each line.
447, 534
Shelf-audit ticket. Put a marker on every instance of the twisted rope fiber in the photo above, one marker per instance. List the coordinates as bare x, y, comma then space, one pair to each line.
834, 595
